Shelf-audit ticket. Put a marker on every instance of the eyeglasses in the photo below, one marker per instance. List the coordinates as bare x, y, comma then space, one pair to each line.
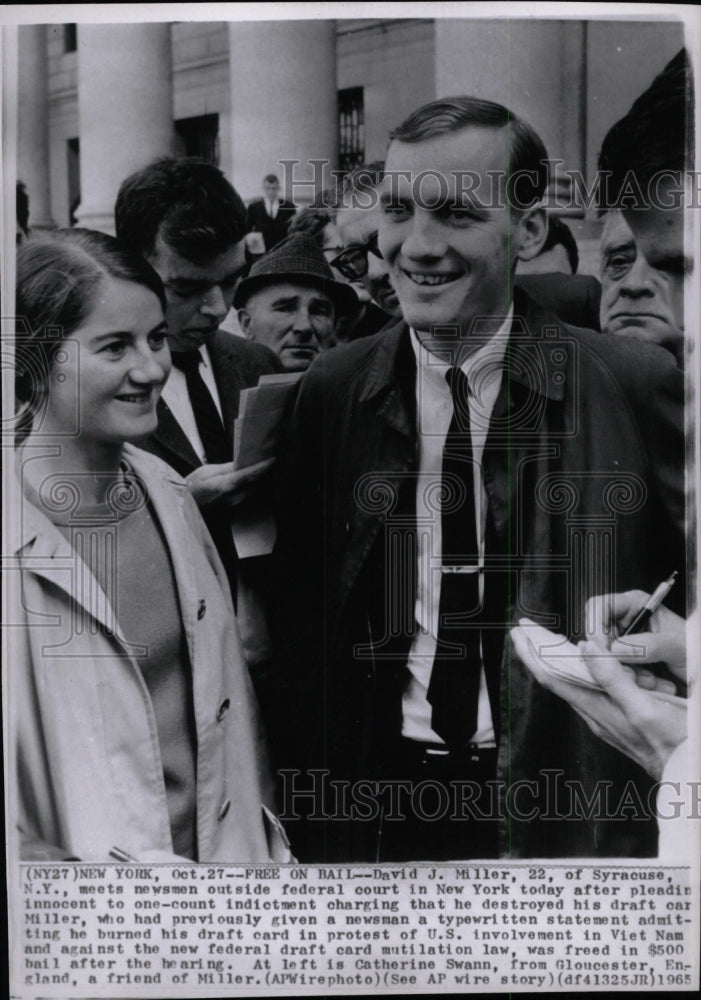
353, 261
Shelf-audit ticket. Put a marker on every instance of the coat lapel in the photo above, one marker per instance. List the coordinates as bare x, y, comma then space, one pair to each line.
164, 494
169, 434
532, 389
389, 419
228, 378
44, 552
172, 438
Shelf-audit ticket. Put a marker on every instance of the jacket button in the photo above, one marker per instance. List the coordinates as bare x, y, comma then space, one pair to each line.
202, 607
224, 810
223, 709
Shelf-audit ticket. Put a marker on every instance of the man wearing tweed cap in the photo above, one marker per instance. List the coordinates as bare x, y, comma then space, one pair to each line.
290, 302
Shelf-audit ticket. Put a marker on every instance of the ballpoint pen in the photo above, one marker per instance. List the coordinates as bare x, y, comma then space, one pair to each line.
642, 619
119, 855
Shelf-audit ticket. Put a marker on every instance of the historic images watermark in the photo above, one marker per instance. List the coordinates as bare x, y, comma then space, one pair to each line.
546, 797
668, 190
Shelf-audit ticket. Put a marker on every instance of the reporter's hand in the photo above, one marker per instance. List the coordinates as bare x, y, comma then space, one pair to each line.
222, 484
665, 642
636, 722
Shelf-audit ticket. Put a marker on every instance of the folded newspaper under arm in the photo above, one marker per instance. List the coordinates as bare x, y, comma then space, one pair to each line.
560, 659
257, 432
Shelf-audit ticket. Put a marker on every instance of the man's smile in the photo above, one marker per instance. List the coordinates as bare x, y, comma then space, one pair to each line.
426, 278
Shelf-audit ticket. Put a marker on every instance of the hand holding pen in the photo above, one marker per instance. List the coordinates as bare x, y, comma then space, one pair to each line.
641, 621
641, 632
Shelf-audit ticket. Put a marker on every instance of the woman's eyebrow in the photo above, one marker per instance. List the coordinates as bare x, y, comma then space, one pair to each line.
110, 333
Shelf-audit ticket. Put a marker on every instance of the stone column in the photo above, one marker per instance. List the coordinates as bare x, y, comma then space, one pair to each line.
33, 123
533, 67
125, 96
283, 105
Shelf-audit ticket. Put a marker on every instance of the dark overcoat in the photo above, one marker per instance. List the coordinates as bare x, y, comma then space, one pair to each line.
584, 471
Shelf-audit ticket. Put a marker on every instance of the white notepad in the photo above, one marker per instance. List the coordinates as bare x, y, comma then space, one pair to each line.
562, 660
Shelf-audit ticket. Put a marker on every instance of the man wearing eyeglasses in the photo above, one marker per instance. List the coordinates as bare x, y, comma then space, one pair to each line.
357, 220
358, 262
189, 223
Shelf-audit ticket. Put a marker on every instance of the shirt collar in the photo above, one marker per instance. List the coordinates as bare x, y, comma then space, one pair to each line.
487, 359
204, 354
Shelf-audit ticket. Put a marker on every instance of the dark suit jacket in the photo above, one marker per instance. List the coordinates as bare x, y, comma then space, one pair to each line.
575, 298
583, 466
237, 365
273, 230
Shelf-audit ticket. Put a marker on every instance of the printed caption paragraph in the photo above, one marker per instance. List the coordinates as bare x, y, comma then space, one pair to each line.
158, 930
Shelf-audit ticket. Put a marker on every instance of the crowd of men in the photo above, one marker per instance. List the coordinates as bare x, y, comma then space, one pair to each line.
479, 435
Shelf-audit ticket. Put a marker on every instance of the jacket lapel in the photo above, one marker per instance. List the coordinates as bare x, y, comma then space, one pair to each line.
228, 378
164, 493
44, 552
532, 388
172, 438
519, 451
388, 403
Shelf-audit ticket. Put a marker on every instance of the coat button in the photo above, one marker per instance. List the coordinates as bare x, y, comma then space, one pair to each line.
223, 709
224, 809
202, 607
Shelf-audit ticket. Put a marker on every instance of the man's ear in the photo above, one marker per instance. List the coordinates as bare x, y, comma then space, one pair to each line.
244, 318
533, 232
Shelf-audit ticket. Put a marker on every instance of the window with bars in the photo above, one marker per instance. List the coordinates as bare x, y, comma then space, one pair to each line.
70, 37
351, 126
73, 154
199, 137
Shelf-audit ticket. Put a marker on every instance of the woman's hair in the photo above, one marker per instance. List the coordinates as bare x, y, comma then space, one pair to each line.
58, 275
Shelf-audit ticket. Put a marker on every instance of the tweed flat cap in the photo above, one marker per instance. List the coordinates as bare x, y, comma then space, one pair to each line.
297, 258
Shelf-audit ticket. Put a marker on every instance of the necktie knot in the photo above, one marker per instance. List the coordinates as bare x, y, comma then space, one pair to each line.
207, 418
460, 391
186, 361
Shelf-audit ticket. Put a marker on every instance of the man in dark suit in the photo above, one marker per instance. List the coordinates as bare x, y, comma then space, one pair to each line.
189, 223
574, 298
548, 273
270, 215
478, 463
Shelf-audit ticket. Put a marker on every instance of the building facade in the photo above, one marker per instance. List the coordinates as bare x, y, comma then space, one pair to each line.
98, 101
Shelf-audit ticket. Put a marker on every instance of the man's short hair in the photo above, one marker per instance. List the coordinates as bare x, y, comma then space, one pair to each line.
271, 179
656, 135
528, 157
360, 181
560, 234
188, 201
312, 220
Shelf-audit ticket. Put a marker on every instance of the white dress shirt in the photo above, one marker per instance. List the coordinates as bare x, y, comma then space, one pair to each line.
271, 207
249, 615
434, 411
175, 394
